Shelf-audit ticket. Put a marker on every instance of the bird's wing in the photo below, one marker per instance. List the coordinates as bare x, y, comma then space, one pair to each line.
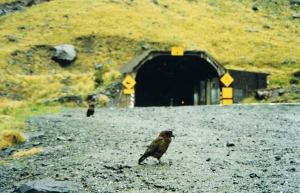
154, 146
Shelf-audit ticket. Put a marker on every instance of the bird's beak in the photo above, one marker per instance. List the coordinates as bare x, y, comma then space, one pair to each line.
173, 136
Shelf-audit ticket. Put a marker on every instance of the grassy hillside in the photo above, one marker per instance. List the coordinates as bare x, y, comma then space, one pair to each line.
115, 31
112, 33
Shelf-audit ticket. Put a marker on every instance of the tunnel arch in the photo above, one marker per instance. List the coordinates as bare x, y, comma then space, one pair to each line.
166, 80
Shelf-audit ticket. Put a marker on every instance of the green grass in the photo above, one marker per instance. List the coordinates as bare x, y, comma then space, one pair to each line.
278, 82
12, 119
13, 116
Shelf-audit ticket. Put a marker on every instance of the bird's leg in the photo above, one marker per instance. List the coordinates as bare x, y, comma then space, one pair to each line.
160, 162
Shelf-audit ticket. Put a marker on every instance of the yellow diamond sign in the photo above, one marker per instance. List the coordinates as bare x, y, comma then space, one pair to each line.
128, 82
227, 79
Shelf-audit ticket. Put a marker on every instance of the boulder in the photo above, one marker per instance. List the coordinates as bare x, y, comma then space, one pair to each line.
66, 89
65, 52
112, 93
92, 97
262, 94
10, 7
47, 186
255, 8
66, 80
297, 74
28, 3
65, 99
98, 66
253, 30
273, 93
295, 2
145, 47
294, 81
15, 97
12, 38
296, 16
71, 98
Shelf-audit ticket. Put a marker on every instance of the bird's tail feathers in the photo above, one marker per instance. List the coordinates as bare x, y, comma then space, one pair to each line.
142, 159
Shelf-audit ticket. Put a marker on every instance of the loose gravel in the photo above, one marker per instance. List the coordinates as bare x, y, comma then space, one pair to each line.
236, 148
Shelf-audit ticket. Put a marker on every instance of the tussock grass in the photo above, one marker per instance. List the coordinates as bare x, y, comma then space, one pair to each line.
82, 83
103, 100
12, 119
34, 89
27, 153
110, 77
20, 154
10, 137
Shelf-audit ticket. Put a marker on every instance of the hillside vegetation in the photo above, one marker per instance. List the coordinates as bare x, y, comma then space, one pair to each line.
115, 30
112, 32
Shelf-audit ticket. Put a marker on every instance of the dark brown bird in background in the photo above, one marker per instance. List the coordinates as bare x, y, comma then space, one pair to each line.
158, 146
90, 110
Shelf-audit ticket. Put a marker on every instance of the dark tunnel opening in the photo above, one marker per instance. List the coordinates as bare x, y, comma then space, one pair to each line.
171, 81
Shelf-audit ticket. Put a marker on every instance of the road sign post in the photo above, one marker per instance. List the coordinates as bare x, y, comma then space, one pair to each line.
128, 82
227, 92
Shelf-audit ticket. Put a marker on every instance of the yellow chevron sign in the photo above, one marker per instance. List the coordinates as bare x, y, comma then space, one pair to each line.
128, 82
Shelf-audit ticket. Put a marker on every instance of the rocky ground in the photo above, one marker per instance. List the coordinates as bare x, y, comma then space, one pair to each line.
237, 148
18, 5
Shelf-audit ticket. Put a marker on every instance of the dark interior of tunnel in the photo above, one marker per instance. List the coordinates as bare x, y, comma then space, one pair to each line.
170, 80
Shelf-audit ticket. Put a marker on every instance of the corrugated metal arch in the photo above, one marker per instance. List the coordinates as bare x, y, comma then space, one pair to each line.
133, 65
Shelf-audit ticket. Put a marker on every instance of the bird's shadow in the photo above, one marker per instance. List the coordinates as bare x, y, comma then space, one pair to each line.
155, 164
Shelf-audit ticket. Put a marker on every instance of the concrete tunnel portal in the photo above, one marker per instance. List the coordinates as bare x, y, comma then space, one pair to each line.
171, 81
166, 80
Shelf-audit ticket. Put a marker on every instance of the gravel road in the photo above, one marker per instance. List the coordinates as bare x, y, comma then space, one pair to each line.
237, 148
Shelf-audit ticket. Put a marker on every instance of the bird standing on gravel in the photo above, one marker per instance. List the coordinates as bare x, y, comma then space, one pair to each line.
158, 146
91, 110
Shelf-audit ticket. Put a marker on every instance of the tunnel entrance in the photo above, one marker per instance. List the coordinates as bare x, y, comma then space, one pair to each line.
166, 80
172, 81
